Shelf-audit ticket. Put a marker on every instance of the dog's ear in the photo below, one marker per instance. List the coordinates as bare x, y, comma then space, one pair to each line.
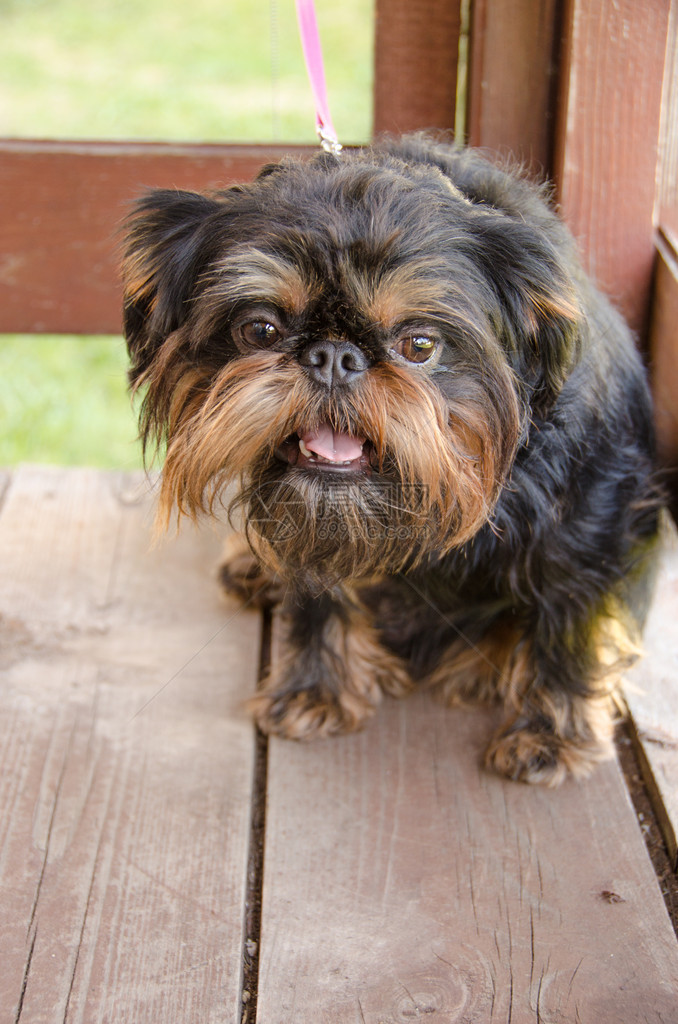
165, 247
535, 273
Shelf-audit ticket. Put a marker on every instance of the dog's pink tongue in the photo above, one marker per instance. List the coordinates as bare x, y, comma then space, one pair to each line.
332, 445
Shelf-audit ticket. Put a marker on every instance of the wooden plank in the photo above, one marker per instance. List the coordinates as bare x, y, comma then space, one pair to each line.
61, 205
607, 141
664, 358
513, 60
667, 185
403, 882
125, 762
415, 64
652, 696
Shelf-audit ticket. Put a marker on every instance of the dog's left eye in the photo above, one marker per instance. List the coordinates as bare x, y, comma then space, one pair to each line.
259, 333
416, 348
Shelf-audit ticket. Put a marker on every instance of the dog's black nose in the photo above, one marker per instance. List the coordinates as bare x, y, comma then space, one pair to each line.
333, 363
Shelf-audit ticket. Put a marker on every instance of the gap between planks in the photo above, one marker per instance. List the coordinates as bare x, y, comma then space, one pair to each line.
645, 805
255, 860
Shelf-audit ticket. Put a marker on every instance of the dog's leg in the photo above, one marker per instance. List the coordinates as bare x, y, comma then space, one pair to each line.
242, 575
554, 736
331, 673
560, 698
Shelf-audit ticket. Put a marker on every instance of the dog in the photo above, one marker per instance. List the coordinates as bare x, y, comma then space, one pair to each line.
438, 430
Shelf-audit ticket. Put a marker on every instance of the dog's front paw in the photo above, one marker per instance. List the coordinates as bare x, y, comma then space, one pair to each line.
535, 753
329, 674
242, 575
303, 713
524, 755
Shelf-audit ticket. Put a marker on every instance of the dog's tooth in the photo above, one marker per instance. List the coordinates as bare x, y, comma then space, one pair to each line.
305, 451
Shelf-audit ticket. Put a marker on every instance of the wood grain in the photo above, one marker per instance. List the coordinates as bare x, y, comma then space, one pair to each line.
402, 882
663, 348
652, 695
607, 140
399, 879
125, 762
511, 88
667, 184
415, 64
61, 206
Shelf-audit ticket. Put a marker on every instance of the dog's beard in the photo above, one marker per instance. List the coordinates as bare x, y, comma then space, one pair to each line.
427, 478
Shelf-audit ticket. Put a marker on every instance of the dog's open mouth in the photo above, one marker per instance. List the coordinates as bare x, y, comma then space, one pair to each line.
326, 449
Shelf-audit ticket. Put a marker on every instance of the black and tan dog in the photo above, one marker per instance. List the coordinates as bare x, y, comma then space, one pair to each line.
441, 433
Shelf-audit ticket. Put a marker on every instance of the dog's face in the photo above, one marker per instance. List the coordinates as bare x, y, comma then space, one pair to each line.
357, 341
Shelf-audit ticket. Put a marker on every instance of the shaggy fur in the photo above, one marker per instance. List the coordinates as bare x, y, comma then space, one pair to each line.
485, 520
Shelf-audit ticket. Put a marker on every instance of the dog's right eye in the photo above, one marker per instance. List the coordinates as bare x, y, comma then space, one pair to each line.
259, 333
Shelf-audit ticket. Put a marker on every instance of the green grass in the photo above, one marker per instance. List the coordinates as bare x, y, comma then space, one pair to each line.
63, 400
208, 70
167, 69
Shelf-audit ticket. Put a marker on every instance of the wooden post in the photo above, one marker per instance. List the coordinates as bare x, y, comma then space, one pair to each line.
415, 71
607, 140
667, 183
663, 362
512, 79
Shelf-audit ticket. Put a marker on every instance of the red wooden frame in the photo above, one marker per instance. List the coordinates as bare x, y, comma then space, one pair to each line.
61, 205
416, 64
607, 140
514, 57
664, 364
570, 86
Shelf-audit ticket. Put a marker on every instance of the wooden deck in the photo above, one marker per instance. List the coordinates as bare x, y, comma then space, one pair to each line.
159, 864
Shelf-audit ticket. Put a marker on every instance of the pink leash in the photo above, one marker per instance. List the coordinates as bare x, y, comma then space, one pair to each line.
313, 55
